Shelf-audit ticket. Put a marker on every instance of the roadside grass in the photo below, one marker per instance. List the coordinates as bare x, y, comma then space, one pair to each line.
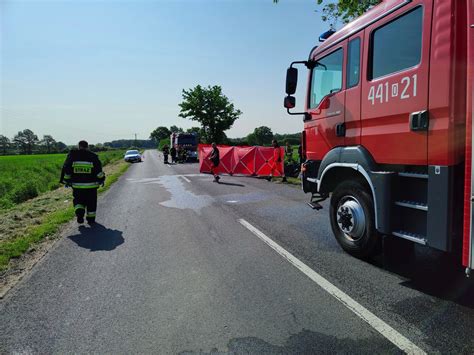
18, 246
293, 181
33, 221
23, 177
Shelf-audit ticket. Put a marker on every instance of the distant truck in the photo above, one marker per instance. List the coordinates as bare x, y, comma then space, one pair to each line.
388, 126
188, 141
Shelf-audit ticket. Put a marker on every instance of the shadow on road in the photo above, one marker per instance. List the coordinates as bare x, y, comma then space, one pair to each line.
230, 184
98, 238
305, 342
181, 163
429, 271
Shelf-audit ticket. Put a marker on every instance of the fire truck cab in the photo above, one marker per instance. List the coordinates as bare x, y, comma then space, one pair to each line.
387, 125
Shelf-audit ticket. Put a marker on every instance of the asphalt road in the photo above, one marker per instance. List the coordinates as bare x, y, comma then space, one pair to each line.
170, 268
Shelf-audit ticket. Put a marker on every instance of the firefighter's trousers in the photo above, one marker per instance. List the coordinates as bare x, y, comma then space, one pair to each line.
85, 199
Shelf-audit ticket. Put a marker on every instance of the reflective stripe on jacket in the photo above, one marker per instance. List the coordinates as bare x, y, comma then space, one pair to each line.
82, 170
85, 185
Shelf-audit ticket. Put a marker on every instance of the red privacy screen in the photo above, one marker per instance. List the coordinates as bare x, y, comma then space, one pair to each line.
256, 161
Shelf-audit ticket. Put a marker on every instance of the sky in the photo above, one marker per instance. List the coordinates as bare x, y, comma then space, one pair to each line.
105, 70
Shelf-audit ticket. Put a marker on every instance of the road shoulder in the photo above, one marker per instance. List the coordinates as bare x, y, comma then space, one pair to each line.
32, 228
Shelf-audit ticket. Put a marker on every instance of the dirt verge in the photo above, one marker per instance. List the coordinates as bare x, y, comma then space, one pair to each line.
21, 220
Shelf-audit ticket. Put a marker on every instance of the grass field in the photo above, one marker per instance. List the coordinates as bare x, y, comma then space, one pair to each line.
36, 219
26, 176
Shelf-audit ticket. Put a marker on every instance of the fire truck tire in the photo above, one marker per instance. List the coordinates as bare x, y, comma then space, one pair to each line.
352, 219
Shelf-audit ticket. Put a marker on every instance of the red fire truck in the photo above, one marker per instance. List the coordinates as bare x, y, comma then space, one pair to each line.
388, 126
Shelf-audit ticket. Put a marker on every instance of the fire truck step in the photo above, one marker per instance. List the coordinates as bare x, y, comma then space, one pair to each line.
412, 204
315, 206
414, 175
417, 238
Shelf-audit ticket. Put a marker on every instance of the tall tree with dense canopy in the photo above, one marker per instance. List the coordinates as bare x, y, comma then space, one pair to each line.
160, 133
60, 146
26, 140
49, 142
176, 129
212, 109
4, 144
263, 135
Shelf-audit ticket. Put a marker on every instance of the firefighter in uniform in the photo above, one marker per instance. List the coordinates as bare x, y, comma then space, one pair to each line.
179, 152
166, 152
215, 159
173, 154
288, 153
82, 171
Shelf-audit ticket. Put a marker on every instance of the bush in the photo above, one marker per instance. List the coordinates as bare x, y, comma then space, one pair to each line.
163, 142
24, 192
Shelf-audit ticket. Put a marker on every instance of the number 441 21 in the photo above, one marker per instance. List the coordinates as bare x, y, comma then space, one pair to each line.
405, 89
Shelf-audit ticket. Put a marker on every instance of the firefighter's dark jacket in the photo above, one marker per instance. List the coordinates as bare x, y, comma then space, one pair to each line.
82, 170
215, 156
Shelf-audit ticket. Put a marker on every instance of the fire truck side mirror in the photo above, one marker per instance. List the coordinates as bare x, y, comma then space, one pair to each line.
291, 80
290, 102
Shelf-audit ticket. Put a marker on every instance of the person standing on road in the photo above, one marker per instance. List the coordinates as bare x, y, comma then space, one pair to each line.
82, 171
214, 158
288, 152
173, 154
300, 154
179, 152
277, 159
184, 156
166, 152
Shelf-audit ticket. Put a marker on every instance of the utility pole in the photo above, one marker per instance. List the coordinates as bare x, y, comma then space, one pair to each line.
135, 144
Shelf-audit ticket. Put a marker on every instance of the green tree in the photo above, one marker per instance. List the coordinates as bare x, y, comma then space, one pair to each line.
49, 142
60, 146
176, 129
212, 109
163, 142
263, 135
344, 10
160, 133
251, 139
26, 140
4, 143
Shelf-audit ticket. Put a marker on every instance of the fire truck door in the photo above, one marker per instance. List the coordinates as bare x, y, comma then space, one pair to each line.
394, 100
326, 129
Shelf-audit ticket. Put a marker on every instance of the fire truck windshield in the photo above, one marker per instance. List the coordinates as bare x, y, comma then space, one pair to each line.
187, 140
327, 77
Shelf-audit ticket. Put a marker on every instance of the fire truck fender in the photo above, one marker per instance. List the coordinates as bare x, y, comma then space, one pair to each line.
349, 163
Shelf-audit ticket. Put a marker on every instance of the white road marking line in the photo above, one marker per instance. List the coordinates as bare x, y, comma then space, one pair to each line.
232, 201
185, 178
375, 322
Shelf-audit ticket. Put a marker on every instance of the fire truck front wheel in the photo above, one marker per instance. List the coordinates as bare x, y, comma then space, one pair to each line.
352, 219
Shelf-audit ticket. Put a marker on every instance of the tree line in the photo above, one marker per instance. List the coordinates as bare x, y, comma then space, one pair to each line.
216, 114
27, 142
129, 143
262, 135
